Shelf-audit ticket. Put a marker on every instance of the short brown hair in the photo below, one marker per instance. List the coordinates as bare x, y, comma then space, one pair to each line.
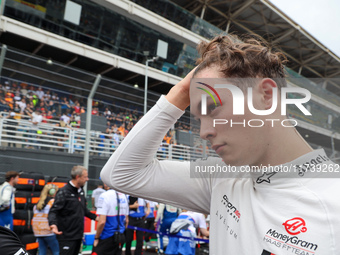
11, 174
246, 57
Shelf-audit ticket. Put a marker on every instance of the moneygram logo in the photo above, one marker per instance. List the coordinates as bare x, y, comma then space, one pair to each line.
295, 226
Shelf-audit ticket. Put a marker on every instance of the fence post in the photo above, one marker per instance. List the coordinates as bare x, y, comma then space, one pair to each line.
1, 125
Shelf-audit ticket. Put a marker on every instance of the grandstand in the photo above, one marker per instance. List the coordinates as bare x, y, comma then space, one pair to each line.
44, 50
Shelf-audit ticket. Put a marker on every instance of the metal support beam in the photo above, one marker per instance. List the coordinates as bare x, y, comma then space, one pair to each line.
333, 74
287, 33
107, 70
242, 8
203, 11
314, 57
2, 56
88, 125
228, 26
300, 70
37, 49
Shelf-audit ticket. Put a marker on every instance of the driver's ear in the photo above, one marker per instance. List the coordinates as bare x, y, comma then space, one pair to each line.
266, 90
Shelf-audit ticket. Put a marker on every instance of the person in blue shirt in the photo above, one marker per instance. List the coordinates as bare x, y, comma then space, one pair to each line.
137, 216
111, 223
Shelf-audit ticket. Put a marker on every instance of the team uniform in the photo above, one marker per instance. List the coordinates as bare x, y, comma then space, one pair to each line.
136, 219
166, 215
67, 213
150, 220
41, 229
7, 205
96, 194
108, 205
191, 221
295, 212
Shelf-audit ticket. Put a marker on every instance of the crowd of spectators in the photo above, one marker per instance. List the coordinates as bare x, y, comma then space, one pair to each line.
39, 104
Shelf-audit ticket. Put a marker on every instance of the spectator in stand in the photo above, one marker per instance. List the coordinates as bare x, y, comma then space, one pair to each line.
47, 95
107, 112
17, 97
31, 90
40, 93
95, 111
23, 90
9, 100
42, 106
65, 118
35, 100
65, 105
41, 229
49, 115
114, 128
116, 139
55, 97
77, 119
121, 129
22, 105
36, 119
82, 110
52, 107
119, 120
77, 107
12, 126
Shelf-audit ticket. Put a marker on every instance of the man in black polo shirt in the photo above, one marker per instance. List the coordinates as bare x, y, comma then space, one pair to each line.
66, 217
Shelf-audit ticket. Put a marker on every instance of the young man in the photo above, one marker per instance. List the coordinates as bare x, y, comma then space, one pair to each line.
262, 212
111, 223
66, 217
96, 194
7, 208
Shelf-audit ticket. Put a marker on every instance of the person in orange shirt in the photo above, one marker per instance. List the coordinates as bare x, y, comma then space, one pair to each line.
121, 129
41, 229
9, 100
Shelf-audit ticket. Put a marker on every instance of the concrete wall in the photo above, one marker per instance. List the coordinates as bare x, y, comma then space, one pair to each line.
47, 162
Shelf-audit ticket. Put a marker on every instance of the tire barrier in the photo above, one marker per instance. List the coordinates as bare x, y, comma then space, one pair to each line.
22, 221
30, 242
59, 181
25, 199
31, 181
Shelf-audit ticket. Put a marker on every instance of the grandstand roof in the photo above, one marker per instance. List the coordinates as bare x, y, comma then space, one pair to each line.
307, 55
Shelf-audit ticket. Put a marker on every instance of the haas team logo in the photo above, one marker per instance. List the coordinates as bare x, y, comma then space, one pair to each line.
295, 226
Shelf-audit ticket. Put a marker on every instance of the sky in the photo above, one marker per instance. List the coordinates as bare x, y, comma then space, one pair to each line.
320, 18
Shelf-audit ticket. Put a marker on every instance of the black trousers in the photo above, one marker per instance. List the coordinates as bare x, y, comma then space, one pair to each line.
69, 247
136, 222
107, 247
149, 224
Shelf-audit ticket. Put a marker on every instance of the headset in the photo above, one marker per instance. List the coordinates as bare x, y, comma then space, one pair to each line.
52, 190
